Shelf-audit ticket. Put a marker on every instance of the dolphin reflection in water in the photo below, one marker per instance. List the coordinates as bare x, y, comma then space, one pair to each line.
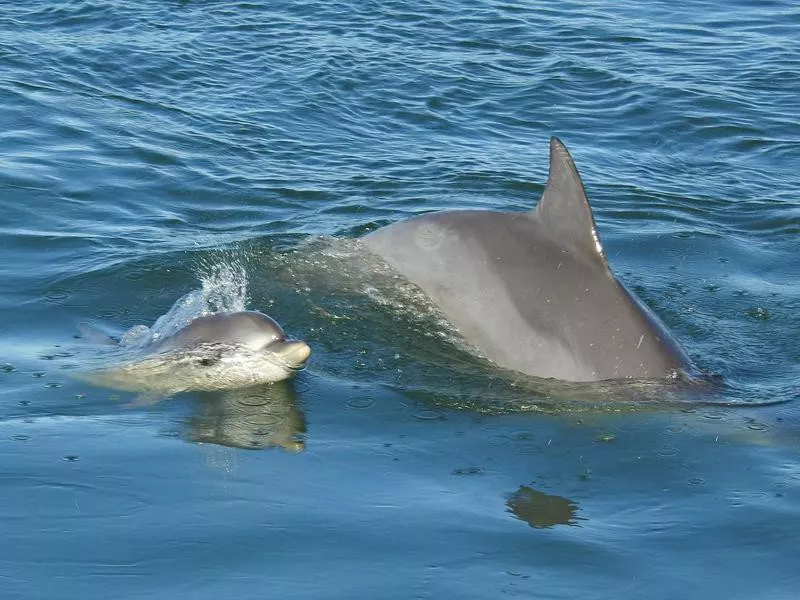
254, 418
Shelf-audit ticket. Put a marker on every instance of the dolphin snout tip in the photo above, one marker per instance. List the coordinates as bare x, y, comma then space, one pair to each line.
295, 352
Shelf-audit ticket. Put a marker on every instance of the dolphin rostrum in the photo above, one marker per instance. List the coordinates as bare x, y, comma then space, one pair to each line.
532, 291
213, 352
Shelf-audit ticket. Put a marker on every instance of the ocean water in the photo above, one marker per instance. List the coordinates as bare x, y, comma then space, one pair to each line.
229, 152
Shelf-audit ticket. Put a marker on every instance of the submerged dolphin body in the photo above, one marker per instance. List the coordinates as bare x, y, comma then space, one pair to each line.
214, 352
533, 291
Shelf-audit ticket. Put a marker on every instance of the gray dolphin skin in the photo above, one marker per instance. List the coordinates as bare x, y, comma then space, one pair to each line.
215, 352
249, 329
532, 291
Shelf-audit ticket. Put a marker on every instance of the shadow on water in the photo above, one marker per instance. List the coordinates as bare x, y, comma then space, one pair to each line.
540, 510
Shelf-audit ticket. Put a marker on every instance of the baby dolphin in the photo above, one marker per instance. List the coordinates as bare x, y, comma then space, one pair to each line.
250, 329
532, 291
215, 352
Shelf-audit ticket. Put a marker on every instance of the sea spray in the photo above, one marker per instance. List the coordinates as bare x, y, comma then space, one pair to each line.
223, 288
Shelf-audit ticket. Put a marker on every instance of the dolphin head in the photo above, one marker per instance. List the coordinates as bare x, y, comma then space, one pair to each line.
261, 333
294, 353
222, 351
248, 329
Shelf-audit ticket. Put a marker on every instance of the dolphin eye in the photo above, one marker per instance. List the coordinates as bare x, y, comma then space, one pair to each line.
208, 362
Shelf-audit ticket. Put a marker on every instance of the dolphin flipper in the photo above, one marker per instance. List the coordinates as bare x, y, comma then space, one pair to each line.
95, 335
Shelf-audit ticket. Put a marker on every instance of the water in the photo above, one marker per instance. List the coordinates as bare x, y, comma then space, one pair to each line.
150, 146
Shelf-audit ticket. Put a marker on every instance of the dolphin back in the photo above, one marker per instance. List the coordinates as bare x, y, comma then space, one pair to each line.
532, 291
250, 329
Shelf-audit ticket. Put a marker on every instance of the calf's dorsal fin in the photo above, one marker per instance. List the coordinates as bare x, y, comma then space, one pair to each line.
564, 208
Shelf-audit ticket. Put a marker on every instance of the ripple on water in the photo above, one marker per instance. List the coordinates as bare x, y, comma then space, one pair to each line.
361, 403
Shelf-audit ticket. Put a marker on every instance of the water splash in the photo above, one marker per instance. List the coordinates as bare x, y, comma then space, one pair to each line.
224, 285
223, 288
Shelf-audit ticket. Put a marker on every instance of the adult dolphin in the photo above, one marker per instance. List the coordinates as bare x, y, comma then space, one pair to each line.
533, 291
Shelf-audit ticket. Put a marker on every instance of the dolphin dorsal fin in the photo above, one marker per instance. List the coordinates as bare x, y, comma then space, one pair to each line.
564, 208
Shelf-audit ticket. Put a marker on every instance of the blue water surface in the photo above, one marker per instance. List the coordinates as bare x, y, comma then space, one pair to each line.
153, 148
